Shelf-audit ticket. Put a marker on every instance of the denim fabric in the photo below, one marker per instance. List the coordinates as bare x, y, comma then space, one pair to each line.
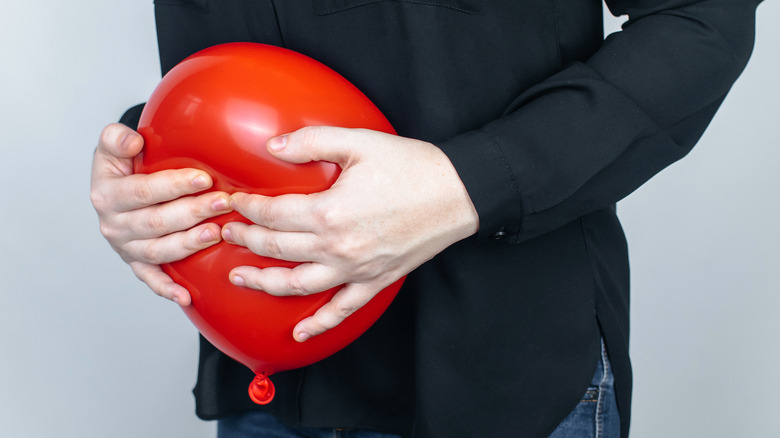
596, 415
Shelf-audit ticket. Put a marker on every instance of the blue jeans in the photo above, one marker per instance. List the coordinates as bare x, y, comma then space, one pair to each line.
596, 416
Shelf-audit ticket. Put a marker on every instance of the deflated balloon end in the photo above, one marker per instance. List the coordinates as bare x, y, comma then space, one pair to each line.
262, 390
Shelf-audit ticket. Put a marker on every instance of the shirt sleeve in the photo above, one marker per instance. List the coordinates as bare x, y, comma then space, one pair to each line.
132, 116
590, 135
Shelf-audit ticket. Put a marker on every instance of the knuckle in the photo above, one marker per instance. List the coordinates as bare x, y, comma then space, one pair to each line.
347, 250
340, 251
309, 134
265, 214
181, 180
151, 254
191, 241
143, 193
139, 271
363, 270
198, 210
329, 218
99, 200
342, 310
296, 286
108, 232
320, 213
156, 224
271, 248
254, 279
110, 133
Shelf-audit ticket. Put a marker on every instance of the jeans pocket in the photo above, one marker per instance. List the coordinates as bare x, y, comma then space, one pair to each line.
596, 414
591, 395
581, 421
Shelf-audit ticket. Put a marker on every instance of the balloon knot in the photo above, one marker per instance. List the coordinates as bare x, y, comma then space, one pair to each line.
261, 390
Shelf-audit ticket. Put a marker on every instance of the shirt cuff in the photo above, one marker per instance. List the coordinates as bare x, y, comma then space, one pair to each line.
490, 183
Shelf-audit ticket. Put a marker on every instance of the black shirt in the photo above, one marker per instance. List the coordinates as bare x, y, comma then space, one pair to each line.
548, 126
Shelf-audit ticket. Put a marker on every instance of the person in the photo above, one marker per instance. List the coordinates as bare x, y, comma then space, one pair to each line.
520, 128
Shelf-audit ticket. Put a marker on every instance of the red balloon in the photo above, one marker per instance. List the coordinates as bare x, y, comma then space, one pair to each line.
215, 111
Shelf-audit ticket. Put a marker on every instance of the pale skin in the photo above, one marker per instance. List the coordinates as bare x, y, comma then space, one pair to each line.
397, 203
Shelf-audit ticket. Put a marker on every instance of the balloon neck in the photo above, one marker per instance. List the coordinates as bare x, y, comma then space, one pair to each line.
261, 390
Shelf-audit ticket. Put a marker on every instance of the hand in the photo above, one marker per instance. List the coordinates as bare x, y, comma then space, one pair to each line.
396, 204
147, 219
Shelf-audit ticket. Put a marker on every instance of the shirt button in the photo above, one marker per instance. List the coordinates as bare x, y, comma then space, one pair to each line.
499, 235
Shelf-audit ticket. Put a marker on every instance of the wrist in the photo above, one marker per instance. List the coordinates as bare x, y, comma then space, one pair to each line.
464, 221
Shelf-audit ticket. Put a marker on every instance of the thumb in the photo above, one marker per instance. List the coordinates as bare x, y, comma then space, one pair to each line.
117, 146
317, 143
345, 302
120, 141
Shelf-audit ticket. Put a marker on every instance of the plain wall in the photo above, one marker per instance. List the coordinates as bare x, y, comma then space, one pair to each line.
86, 350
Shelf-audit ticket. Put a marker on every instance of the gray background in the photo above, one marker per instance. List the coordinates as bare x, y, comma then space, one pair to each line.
87, 351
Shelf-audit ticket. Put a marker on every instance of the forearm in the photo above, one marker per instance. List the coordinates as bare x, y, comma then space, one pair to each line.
590, 135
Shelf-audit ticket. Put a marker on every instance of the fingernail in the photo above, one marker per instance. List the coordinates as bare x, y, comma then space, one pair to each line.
227, 235
276, 144
201, 182
176, 293
303, 336
207, 235
238, 280
220, 204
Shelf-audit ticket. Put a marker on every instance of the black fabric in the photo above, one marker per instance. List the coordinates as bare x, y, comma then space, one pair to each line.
132, 116
549, 125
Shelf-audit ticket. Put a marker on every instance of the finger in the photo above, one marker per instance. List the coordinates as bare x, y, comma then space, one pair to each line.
173, 247
291, 212
304, 279
319, 143
137, 191
171, 217
290, 246
344, 303
114, 153
119, 141
161, 283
